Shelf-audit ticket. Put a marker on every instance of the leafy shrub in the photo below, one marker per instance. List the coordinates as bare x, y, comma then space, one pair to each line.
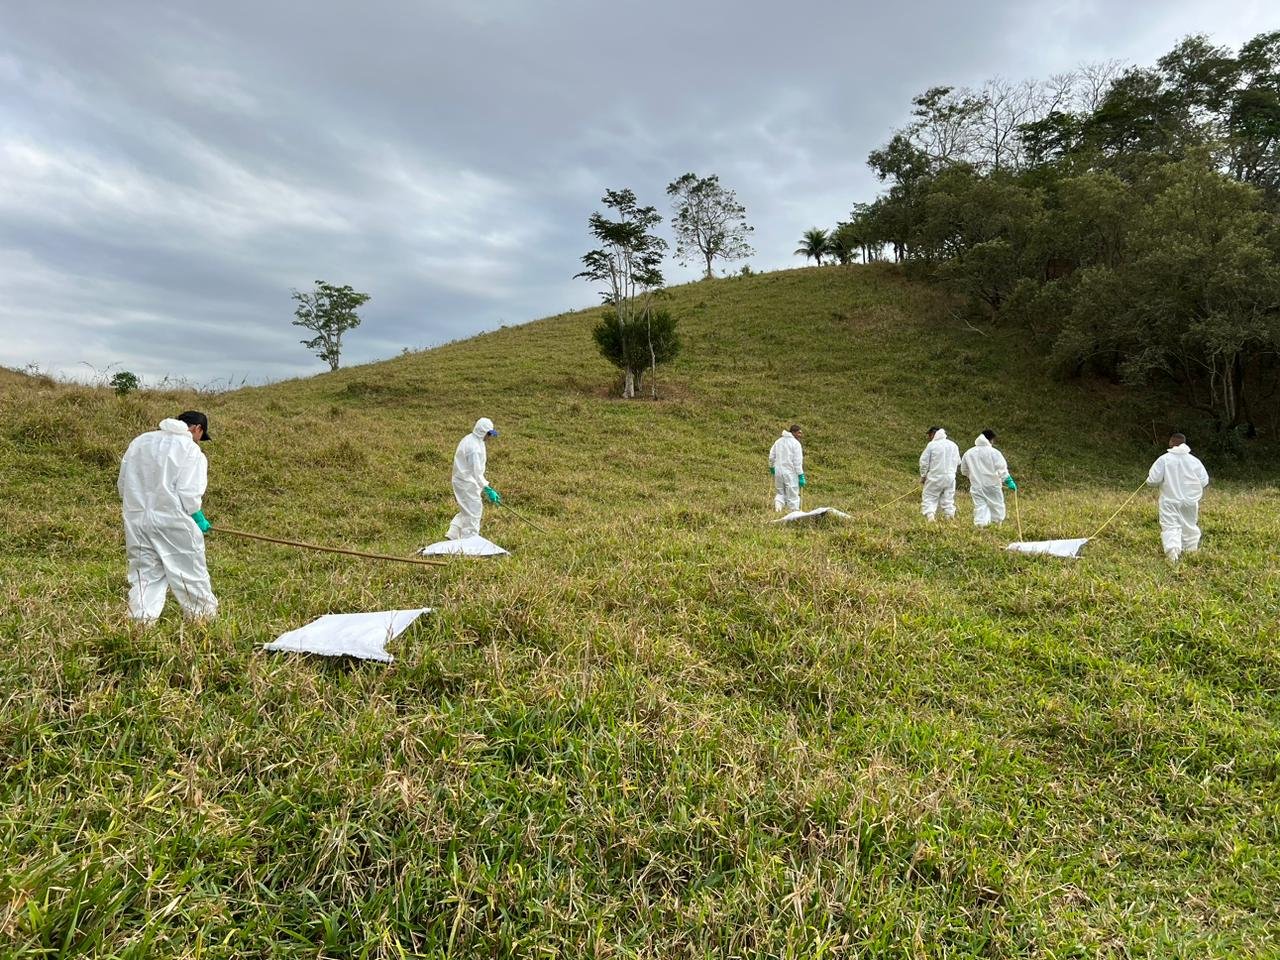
124, 382
630, 347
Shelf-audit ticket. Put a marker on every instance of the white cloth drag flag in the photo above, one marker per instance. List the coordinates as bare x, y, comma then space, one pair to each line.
1052, 548
795, 515
363, 635
476, 546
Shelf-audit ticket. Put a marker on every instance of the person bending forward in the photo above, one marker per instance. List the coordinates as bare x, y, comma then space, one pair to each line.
163, 476
470, 488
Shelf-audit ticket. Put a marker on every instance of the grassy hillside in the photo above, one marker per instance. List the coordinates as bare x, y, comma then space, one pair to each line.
665, 728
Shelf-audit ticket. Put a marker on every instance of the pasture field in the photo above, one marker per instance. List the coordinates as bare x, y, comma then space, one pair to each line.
665, 727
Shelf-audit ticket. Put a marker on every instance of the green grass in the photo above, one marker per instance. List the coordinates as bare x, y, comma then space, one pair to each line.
667, 728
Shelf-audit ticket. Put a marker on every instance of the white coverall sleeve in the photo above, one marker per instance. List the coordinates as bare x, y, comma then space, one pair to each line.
124, 462
799, 457
477, 471
964, 466
1156, 476
773, 456
192, 481
925, 459
1002, 465
1204, 474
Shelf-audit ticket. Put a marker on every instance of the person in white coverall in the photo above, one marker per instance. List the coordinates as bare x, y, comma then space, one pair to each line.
987, 470
163, 476
938, 465
470, 488
1181, 479
786, 463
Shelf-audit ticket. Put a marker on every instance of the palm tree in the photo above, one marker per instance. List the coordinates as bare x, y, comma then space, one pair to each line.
844, 242
815, 244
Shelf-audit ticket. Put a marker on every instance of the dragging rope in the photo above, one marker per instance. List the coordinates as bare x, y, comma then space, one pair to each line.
1017, 513
884, 506
520, 516
1107, 523
312, 546
1064, 547
909, 493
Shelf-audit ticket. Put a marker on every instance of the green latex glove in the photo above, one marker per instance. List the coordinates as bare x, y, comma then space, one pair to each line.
773, 472
204, 525
803, 481
1008, 482
492, 495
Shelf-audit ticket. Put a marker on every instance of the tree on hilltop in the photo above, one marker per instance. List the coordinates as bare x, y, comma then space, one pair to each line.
709, 221
816, 243
330, 311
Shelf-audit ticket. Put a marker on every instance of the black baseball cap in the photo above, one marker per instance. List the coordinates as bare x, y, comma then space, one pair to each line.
194, 418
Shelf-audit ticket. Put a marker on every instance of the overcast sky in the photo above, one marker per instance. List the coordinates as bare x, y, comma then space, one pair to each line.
169, 171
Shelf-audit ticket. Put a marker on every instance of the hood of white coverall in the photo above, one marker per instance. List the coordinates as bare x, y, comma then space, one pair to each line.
482, 427
984, 465
1180, 476
941, 458
786, 455
163, 471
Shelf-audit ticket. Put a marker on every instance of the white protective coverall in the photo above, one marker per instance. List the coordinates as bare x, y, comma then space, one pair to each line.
163, 476
1181, 479
986, 469
469, 482
786, 457
938, 465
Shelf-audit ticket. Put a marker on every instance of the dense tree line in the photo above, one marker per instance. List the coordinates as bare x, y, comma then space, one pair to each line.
1128, 219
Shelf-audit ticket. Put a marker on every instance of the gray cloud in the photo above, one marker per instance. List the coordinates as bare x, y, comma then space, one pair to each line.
172, 170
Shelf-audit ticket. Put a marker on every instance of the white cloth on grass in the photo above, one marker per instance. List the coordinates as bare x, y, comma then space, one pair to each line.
476, 546
795, 515
1052, 548
363, 635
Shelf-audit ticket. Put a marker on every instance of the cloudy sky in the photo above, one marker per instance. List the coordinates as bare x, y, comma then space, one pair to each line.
170, 170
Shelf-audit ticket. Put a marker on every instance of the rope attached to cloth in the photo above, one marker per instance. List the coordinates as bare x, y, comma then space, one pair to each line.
520, 516
1017, 514
1104, 526
313, 546
909, 493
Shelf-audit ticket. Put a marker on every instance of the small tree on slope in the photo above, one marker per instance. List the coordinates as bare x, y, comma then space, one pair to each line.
628, 261
653, 342
330, 311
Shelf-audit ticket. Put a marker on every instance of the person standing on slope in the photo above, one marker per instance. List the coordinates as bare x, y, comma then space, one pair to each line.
1181, 479
786, 463
986, 469
938, 465
163, 475
470, 488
